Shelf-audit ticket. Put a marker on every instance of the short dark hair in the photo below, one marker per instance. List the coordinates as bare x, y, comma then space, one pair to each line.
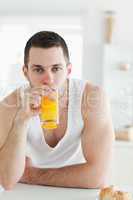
46, 39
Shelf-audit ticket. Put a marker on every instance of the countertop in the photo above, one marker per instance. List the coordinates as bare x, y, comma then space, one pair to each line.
32, 192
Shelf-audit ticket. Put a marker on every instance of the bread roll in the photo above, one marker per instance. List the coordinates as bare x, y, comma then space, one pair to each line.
109, 193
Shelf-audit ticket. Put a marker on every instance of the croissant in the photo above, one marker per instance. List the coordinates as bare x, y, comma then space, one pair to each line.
110, 193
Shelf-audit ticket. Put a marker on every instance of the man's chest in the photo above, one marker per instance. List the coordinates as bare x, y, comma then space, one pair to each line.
52, 137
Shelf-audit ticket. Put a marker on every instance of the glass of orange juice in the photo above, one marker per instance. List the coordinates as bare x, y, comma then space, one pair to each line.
49, 111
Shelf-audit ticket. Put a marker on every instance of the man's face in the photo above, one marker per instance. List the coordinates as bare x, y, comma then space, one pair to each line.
47, 67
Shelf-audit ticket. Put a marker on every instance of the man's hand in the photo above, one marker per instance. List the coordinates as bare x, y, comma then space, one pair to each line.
30, 100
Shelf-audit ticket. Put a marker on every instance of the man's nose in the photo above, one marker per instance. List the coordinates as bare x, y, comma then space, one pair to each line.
47, 78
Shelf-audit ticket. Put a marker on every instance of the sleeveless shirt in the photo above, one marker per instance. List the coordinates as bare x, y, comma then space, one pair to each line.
68, 151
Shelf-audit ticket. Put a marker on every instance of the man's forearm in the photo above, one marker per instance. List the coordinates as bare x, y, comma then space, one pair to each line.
12, 155
79, 176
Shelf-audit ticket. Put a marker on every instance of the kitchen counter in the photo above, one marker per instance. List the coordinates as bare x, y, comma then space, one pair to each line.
32, 192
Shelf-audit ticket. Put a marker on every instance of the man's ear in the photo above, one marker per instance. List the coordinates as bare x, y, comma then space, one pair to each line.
69, 69
25, 71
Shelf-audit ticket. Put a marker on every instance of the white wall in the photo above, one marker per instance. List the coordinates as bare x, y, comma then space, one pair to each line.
93, 46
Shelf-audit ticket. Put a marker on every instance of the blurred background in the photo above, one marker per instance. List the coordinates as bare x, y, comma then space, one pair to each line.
99, 35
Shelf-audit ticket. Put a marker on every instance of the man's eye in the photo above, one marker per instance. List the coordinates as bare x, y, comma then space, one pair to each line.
38, 70
55, 69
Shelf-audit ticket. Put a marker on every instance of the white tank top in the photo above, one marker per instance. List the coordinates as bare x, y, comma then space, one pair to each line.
68, 151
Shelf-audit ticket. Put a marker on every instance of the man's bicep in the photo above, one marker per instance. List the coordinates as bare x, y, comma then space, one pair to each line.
98, 134
95, 104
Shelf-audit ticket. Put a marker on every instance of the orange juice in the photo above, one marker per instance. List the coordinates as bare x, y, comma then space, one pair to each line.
49, 112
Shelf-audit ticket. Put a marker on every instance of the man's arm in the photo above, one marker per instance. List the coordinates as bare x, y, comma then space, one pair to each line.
98, 134
15, 113
97, 139
69, 176
12, 142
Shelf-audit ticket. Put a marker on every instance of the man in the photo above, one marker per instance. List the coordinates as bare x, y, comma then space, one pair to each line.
75, 154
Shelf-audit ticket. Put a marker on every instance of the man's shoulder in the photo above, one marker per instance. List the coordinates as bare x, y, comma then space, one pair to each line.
94, 99
93, 90
10, 101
